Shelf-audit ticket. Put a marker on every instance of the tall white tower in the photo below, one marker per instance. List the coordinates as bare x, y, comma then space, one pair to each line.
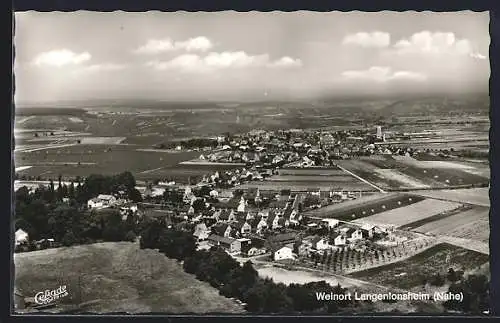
379, 132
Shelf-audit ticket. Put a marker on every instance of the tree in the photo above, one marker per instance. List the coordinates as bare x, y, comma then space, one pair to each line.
135, 195
475, 290
437, 280
130, 236
452, 275
114, 228
68, 239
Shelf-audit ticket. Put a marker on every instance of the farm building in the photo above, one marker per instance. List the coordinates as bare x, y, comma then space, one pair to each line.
230, 244
285, 252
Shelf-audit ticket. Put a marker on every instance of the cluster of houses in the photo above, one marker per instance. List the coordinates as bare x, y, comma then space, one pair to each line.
22, 242
303, 148
340, 235
242, 229
103, 201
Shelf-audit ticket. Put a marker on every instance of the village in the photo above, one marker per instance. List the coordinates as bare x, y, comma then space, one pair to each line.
250, 221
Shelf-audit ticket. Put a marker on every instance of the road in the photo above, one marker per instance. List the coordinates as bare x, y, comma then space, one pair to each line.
361, 179
315, 275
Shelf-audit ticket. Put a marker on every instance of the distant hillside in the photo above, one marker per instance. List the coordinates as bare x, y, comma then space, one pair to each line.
48, 111
118, 277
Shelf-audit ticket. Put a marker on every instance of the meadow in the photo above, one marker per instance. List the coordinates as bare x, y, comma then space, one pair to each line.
118, 277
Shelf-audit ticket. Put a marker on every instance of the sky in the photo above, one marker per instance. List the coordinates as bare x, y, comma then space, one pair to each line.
196, 56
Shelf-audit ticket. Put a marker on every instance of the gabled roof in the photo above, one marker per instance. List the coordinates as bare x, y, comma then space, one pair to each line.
283, 237
271, 217
239, 224
220, 228
335, 235
316, 239
351, 231
277, 248
288, 213
224, 214
254, 222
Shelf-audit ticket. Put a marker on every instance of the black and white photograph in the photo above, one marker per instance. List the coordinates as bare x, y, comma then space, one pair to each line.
251, 163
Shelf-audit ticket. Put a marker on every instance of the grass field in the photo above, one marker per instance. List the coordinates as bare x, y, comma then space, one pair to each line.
471, 224
437, 259
367, 208
105, 159
116, 277
413, 212
425, 173
476, 196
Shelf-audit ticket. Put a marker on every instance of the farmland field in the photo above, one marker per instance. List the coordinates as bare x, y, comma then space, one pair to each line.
298, 186
118, 277
367, 208
416, 211
471, 224
109, 160
368, 172
476, 196
436, 177
311, 172
312, 178
423, 266
396, 176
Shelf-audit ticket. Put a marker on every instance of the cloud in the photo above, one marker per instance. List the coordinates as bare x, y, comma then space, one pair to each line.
376, 39
382, 74
60, 58
477, 56
156, 46
287, 62
102, 68
435, 43
223, 60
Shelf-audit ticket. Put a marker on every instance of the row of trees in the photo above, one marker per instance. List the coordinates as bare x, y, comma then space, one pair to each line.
223, 272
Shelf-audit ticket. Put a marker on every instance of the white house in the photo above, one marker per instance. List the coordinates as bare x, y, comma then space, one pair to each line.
338, 239
21, 237
320, 243
101, 201
201, 232
273, 221
354, 234
94, 203
330, 223
285, 252
241, 205
214, 193
107, 200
